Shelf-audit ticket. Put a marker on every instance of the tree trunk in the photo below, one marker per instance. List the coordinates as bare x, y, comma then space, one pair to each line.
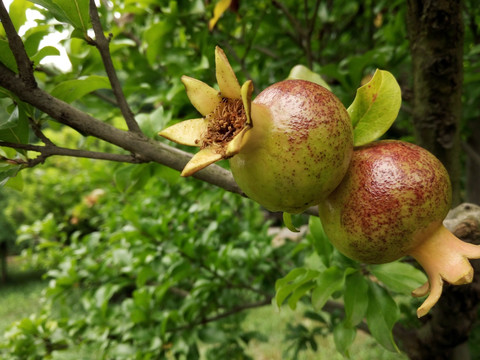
472, 149
436, 31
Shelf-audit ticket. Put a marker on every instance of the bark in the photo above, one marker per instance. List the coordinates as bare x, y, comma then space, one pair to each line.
436, 31
472, 149
444, 332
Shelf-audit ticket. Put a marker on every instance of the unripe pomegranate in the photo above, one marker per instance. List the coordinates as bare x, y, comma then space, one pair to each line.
391, 203
298, 149
288, 149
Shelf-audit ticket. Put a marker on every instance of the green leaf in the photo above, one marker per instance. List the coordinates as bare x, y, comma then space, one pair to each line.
74, 12
7, 171
328, 282
399, 277
321, 244
15, 182
299, 292
291, 282
356, 298
6, 56
382, 313
11, 121
17, 128
343, 336
44, 52
375, 107
301, 72
72, 90
18, 12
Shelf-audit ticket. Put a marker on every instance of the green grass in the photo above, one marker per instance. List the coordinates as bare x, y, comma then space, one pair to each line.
20, 296
274, 325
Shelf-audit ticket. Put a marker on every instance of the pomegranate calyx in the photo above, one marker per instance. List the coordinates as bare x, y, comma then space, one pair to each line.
444, 257
226, 117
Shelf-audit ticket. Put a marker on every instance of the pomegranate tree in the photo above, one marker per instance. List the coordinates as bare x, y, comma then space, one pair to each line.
288, 149
390, 204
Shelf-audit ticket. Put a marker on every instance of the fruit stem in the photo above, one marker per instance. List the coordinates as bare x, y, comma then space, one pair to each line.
444, 257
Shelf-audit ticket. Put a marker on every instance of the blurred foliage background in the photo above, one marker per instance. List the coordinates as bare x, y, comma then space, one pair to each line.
142, 264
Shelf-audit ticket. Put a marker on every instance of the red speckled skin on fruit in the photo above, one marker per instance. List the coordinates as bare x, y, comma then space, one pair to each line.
298, 149
392, 192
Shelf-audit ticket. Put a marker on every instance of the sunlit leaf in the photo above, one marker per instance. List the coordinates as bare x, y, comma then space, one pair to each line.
375, 107
18, 12
220, 7
303, 73
73, 12
44, 52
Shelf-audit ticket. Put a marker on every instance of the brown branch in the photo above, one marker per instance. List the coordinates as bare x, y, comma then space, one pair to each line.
144, 148
52, 150
25, 67
103, 46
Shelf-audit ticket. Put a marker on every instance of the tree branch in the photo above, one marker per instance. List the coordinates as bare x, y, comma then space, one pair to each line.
51, 150
25, 68
144, 148
233, 311
103, 46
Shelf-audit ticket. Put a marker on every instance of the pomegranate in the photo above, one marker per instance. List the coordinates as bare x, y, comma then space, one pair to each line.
391, 203
288, 149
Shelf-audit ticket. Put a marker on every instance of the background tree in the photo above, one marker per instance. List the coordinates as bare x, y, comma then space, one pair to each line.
179, 268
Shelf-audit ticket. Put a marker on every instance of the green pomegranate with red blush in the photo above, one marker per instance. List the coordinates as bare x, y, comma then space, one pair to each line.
288, 149
392, 203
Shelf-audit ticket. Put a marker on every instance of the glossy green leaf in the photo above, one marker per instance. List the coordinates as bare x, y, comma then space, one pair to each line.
398, 276
328, 282
301, 72
319, 239
44, 52
382, 313
343, 336
72, 90
18, 12
375, 107
355, 298
73, 12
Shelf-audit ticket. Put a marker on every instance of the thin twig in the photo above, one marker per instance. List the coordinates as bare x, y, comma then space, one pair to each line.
103, 46
51, 150
233, 311
38, 133
222, 278
24, 65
